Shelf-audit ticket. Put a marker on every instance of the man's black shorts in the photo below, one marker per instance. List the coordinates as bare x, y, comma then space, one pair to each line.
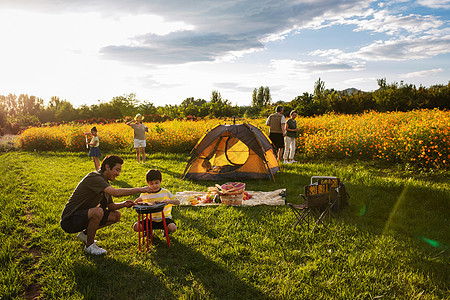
79, 221
277, 139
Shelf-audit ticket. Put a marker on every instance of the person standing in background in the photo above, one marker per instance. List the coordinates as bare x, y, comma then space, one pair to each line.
289, 139
139, 137
276, 123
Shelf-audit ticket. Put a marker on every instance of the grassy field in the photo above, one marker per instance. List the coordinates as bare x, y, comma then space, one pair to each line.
392, 242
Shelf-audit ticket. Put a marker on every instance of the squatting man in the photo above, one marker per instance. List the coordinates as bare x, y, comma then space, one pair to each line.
91, 207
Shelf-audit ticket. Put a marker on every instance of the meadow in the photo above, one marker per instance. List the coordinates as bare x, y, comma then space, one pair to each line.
418, 139
391, 242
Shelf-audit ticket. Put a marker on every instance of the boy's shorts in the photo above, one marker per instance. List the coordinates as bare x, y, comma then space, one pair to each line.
139, 143
79, 221
157, 225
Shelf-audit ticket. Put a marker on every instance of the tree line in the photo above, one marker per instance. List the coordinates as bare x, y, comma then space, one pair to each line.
21, 111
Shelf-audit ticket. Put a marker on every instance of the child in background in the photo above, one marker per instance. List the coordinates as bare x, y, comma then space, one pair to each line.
158, 195
94, 152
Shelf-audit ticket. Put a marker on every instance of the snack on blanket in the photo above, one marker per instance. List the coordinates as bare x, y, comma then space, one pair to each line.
230, 193
233, 188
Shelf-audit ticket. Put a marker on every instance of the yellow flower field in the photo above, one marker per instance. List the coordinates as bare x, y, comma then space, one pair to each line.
420, 137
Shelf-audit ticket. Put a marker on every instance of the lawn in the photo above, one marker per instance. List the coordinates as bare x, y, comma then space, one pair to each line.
392, 242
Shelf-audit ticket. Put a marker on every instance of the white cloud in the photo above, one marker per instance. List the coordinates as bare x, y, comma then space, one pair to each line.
218, 30
384, 22
300, 68
404, 49
435, 3
394, 49
180, 47
423, 73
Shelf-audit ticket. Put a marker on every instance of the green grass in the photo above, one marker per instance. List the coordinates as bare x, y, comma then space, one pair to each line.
392, 242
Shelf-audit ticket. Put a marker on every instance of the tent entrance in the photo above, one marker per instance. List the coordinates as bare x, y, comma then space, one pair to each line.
230, 152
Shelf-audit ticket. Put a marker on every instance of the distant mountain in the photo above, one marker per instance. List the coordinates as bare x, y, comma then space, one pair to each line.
350, 91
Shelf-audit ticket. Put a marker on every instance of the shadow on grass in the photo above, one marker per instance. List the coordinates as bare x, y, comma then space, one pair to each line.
117, 280
201, 277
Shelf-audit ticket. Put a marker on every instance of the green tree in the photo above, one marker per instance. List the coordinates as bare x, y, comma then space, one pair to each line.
320, 97
394, 96
261, 97
196, 108
147, 108
85, 112
58, 110
29, 104
66, 112
436, 96
216, 97
109, 111
125, 104
169, 110
218, 107
353, 102
3, 113
305, 105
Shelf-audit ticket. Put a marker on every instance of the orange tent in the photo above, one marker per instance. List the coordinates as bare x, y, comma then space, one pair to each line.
232, 152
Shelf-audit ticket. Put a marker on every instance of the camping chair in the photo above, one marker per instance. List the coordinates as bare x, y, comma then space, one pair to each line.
317, 205
335, 195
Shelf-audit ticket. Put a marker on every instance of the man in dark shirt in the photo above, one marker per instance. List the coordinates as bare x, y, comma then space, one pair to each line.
91, 207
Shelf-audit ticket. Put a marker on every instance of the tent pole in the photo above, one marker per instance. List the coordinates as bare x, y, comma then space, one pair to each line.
264, 157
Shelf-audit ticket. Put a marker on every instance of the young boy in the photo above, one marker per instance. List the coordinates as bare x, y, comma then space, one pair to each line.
158, 195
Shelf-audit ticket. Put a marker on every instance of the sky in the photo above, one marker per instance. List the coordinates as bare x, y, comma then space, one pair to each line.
164, 51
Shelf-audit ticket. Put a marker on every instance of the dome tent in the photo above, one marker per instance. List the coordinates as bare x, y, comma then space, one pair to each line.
232, 152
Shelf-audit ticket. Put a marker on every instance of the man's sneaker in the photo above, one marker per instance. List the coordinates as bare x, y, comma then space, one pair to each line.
293, 161
287, 162
83, 237
93, 249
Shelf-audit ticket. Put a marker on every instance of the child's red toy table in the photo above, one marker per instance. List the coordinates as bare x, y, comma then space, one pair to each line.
145, 213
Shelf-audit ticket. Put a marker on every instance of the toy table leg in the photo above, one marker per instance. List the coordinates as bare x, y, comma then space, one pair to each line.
149, 220
144, 239
139, 231
148, 232
165, 229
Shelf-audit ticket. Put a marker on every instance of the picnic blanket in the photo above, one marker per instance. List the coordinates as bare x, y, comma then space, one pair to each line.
258, 198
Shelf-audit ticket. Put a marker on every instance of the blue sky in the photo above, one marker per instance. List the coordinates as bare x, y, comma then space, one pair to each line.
166, 51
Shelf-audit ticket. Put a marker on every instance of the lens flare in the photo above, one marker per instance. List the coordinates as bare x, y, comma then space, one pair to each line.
431, 242
395, 208
362, 210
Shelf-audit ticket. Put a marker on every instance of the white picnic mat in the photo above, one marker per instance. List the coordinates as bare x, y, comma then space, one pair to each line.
258, 198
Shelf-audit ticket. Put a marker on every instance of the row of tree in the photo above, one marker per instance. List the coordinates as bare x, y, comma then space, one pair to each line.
24, 110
